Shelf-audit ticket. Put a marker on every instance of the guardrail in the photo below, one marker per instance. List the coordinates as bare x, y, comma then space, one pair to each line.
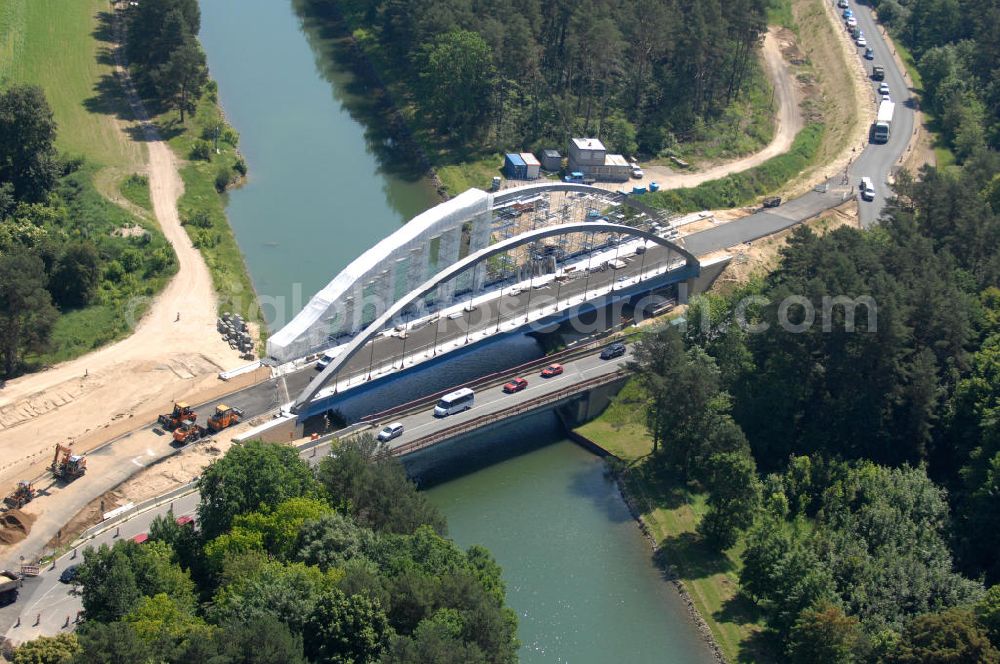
524, 407
564, 355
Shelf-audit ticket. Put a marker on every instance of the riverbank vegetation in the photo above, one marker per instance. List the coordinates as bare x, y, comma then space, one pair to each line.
77, 271
344, 563
169, 68
470, 84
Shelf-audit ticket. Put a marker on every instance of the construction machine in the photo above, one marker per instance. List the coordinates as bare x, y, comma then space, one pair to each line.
66, 465
224, 417
188, 432
21, 496
181, 413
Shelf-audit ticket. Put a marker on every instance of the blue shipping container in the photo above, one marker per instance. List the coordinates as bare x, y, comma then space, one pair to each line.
514, 167
654, 186
638, 190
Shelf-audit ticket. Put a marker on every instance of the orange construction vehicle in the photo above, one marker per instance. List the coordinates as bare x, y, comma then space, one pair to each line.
188, 432
224, 417
66, 465
181, 413
22, 495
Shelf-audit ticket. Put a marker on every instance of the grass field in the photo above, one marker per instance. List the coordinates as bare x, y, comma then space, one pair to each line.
59, 45
672, 510
136, 189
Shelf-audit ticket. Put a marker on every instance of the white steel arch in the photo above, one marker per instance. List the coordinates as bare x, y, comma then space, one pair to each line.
469, 262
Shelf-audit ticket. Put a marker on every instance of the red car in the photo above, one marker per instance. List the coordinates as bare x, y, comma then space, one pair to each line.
552, 370
515, 385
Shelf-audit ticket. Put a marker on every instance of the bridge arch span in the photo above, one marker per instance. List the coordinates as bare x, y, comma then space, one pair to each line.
467, 263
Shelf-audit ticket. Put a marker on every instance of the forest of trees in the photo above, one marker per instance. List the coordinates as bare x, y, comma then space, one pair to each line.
860, 469
524, 73
58, 250
862, 466
347, 563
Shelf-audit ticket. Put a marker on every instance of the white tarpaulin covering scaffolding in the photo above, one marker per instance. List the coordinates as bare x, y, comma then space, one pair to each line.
385, 273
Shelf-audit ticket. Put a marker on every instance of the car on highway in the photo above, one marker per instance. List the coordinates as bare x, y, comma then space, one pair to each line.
842, 4
515, 385
69, 574
851, 22
514, 292
617, 349
885, 97
553, 369
883, 89
847, 13
394, 430
862, 42
869, 53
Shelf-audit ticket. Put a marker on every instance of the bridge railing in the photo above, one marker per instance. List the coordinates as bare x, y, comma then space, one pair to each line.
521, 408
582, 349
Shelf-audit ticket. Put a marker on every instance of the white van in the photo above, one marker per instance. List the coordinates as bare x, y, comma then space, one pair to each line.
866, 189
455, 402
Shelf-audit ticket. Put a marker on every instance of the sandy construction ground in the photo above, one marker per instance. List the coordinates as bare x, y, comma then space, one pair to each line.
81, 402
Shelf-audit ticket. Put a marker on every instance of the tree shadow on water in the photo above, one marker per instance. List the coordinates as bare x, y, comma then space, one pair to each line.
357, 88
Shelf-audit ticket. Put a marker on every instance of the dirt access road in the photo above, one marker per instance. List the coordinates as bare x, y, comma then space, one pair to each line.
788, 123
85, 402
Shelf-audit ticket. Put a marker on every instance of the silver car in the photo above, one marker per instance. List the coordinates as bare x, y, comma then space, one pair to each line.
394, 430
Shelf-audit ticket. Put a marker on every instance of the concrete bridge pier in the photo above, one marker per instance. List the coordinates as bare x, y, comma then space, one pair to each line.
588, 405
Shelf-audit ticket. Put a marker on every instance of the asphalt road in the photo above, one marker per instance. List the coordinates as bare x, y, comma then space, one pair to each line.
55, 604
878, 160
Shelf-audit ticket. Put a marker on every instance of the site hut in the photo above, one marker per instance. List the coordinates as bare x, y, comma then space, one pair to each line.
590, 157
514, 167
585, 154
551, 160
531, 166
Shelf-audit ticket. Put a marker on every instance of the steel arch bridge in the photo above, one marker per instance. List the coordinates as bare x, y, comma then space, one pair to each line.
691, 265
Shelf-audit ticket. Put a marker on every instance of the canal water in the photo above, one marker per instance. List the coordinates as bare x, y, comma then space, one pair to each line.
318, 194
578, 571
323, 188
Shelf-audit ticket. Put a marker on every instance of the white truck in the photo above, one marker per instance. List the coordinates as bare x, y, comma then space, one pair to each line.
883, 123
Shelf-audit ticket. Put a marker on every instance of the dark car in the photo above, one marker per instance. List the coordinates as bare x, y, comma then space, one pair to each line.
616, 349
552, 370
515, 385
69, 574
772, 201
